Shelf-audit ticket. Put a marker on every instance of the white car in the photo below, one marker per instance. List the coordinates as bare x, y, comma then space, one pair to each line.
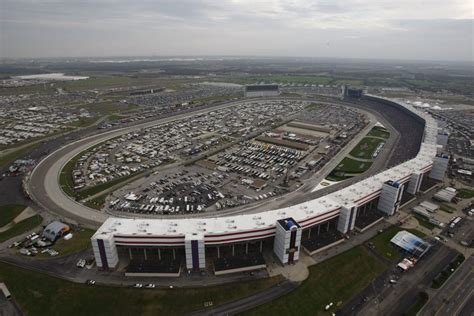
138, 285
150, 286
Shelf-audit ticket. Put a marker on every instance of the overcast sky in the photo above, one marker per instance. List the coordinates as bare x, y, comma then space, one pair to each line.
395, 29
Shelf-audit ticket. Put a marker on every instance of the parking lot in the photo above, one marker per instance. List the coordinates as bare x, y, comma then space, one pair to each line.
244, 166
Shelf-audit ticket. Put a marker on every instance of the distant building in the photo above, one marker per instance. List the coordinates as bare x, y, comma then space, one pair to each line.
55, 230
263, 90
351, 92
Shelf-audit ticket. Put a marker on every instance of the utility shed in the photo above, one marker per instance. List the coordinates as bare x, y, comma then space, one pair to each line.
430, 207
54, 230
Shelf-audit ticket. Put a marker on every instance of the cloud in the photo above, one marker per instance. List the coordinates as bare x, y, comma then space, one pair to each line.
353, 28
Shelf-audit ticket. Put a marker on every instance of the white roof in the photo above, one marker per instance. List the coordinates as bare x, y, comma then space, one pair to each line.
353, 194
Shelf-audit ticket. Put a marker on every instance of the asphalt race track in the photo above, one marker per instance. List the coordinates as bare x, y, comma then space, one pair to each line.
43, 185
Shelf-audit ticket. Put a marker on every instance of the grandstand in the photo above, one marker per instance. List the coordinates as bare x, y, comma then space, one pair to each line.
338, 211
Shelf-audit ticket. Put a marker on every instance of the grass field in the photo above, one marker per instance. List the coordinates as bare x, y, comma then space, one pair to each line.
8, 212
21, 227
81, 240
65, 177
37, 88
85, 121
108, 107
349, 165
420, 302
446, 273
105, 81
251, 79
466, 194
379, 132
40, 294
366, 148
97, 202
333, 280
385, 248
424, 222
312, 106
447, 208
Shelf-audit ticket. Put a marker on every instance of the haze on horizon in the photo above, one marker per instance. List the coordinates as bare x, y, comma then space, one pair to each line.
386, 29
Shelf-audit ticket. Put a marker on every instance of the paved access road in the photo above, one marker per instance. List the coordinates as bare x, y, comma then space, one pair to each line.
252, 301
456, 295
394, 300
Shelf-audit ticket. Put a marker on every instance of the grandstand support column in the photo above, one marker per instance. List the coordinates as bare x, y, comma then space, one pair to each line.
440, 165
261, 246
218, 252
327, 228
195, 251
390, 197
287, 242
174, 254
247, 248
233, 250
130, 253
319, 228
159, 254
144, 252
105, 251
309, 233
347, 217
415, 183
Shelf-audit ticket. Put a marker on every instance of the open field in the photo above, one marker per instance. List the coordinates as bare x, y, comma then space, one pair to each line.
385, 248
366, 148
21, 227
424, 222
333, 280
81, 240
39, 294
420, 302
466, 194
379, 132
446, 273
8, 212
85, 121
349, 165
98, 202
108, 107
37, 88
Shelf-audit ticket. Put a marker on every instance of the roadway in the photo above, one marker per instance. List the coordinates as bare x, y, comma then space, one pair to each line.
249, 302
455, 297
381, 298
